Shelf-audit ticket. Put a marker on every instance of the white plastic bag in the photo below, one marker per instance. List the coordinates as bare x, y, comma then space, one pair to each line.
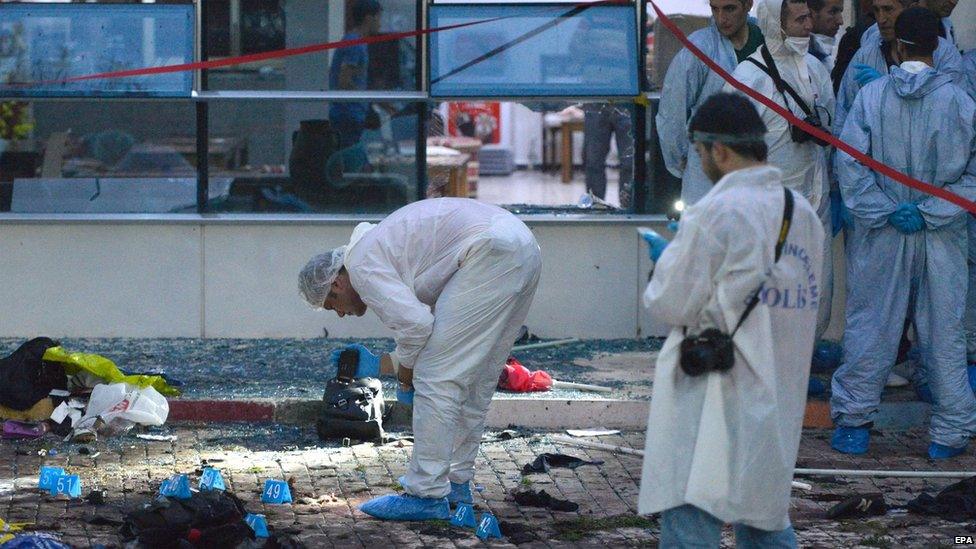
119, 406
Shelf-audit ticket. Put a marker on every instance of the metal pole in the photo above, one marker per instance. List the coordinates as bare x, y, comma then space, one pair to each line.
203, 115
799, 471
545, 344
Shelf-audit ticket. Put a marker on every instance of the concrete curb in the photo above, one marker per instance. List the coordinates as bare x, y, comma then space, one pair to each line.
508, 412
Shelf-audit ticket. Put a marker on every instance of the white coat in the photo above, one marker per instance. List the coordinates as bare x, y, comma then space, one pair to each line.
804, 165
727, 443
400, 267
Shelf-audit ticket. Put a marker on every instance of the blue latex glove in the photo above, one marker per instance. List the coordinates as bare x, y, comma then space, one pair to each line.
865, 74
840, 216
673, 227
369, 364
405, 397
657, 244
907, 219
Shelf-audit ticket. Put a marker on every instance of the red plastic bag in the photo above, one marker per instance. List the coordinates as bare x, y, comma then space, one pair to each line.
516, 377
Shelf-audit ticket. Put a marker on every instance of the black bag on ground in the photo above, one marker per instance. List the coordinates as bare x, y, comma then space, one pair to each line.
353, 409
25, 378
208, 519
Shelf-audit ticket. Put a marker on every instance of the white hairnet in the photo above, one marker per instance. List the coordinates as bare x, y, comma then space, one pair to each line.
321, 271
318, 275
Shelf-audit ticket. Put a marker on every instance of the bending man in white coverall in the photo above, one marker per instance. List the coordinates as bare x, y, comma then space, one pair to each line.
721, 446
453, 279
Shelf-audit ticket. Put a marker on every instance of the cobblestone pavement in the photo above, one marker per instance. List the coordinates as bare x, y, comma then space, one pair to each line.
330, 481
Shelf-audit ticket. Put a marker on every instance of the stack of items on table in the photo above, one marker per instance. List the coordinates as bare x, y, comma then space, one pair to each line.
44, 388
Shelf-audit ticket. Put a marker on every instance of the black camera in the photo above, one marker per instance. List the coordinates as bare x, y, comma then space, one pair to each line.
709, 351
800, 136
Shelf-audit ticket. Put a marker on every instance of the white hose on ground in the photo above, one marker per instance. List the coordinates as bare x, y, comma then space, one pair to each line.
798, 471
556, 384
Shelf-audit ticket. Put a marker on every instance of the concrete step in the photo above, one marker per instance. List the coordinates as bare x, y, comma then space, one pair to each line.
536, 413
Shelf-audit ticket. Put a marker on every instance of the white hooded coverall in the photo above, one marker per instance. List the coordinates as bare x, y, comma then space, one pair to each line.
727, 442
804, 165
453, 278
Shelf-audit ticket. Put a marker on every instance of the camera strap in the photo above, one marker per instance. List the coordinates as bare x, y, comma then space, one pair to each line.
783, 232
781, 86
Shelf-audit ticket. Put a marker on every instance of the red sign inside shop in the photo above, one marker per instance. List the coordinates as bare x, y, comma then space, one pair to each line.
479, 119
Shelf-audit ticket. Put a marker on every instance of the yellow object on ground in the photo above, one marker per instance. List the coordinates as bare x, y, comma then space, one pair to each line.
38, 412
7, 527
106, 369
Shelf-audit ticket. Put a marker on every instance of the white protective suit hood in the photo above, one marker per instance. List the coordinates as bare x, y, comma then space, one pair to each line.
769, 15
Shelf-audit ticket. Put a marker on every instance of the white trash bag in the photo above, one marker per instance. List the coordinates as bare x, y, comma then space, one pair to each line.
114, 408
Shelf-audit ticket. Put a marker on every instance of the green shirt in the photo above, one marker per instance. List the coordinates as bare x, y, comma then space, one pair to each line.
752, 43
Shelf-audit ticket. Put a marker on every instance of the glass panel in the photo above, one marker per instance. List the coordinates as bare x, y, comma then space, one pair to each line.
534, 50
51, 42
543, 156
266, 25
288, 157
102, 157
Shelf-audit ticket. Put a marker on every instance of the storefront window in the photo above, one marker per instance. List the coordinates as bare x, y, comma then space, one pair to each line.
348, 130
43, 45
305, 157
241, 27
544, 155
534, 50
103, 157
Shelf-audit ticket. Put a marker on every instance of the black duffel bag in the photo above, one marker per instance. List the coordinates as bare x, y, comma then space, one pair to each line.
352, 409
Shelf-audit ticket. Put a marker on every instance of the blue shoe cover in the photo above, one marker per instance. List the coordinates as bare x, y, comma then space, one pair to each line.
971, 371
464, 516
460, 493
815, 387
407, 507
924, 393
488, 527
851, 440
939, 451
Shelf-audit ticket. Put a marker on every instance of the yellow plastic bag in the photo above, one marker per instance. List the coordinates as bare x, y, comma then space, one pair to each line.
106, 369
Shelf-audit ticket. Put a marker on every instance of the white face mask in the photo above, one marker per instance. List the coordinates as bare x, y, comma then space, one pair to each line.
799, 45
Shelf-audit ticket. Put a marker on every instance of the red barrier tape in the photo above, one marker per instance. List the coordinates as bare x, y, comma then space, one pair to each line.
864, 159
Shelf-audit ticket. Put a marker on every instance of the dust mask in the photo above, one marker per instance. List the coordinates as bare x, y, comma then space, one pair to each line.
798, 44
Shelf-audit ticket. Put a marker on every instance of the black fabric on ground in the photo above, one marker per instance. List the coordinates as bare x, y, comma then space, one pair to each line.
544, 462
859, 506
531, 498
216, 516
517, 533
956, 502
25, 378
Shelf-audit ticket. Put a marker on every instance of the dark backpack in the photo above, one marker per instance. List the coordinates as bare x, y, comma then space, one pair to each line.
216, 516
352, 409
25, 378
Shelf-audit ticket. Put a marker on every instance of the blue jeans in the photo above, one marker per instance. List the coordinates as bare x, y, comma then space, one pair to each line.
688, 526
